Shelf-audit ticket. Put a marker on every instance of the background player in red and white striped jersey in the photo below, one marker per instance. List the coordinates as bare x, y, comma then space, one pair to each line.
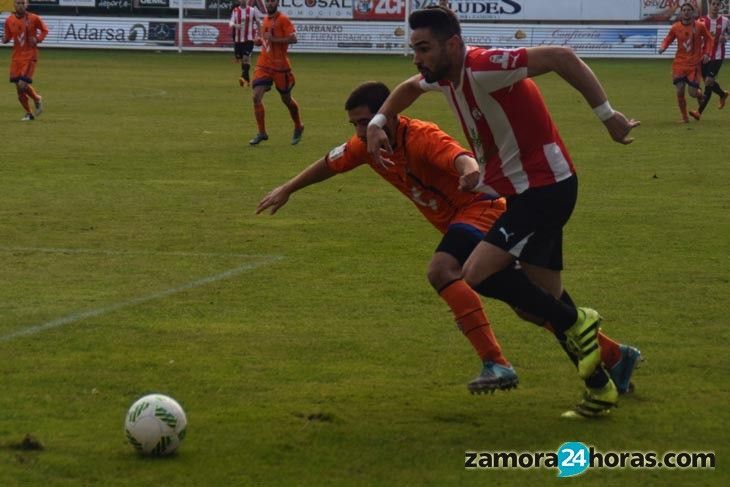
719, 28
245, 26
522, 157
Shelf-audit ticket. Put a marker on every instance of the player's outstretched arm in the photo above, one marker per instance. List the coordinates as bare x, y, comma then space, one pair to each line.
399, 99
277, 197
564, 62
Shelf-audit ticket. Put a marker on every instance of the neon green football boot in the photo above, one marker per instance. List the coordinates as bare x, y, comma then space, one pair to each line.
595, 403
582, 340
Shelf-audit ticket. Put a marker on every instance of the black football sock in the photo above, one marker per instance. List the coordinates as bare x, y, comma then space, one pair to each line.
716, 88
245, 71
598, 379
565, 297
515, 288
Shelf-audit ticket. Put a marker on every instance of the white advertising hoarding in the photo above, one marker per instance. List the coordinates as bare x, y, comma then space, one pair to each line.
193, 4
100, 32
77, 3
505, 10
330, 36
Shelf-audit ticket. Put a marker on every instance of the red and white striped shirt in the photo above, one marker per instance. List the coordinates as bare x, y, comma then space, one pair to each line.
506, 121
242, 23
719, 28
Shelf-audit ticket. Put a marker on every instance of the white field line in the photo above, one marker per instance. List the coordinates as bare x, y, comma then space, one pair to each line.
61, 250
90, 313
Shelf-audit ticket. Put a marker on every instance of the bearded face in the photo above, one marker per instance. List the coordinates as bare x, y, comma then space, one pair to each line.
272, 6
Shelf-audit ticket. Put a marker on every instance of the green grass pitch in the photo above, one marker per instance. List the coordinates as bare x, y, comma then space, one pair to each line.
308, 348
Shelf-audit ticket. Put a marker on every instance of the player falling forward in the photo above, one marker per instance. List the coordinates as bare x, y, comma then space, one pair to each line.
26, 30
694, 44
245, 25
273, 68
522, 157
719, 28
428, 167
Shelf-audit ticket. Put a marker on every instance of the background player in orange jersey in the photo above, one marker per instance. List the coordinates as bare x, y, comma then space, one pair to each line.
273, 68
26, 30
428, 168
694, 45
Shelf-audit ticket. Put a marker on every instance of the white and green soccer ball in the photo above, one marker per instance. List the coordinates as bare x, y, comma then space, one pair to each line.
155, 425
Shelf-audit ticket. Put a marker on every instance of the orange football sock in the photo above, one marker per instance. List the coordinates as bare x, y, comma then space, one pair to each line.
294, 112
682, 102
610, 350
471, 320
32, 93
260, 112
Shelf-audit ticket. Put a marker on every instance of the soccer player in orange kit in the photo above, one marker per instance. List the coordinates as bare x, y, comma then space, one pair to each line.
694, 46
273, 68
26, 30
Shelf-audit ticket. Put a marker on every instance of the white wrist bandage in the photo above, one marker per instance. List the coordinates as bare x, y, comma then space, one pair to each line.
378, 120
604, 111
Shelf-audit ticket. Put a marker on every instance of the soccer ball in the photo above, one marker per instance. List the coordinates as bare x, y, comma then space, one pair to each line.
155, 425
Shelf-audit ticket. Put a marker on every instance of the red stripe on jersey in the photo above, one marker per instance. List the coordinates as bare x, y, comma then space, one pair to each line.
239, 20
247, 28
493, 171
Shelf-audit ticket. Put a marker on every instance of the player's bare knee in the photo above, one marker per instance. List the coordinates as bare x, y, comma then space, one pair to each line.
439, 275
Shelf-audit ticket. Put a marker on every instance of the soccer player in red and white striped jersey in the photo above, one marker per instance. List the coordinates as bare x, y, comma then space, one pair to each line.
427, 165
245, 26
522, 157
719, 28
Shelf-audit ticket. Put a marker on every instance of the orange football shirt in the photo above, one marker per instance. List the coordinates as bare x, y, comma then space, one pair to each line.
424, 172
274, 54
693, 41
21, 30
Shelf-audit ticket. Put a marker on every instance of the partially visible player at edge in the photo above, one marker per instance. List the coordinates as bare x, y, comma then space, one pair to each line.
426, 170
245, 24
522, 157
719, 28
26, 30
694, 44
273, 68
